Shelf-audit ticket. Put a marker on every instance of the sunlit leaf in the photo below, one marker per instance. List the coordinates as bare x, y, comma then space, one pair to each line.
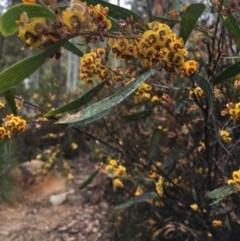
8, 20
15, 74
89, 180
189, 19
137, 116
11, 102
229, 72
91, 113
79, 102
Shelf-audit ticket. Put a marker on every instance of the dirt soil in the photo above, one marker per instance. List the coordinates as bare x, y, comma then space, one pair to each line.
82, 216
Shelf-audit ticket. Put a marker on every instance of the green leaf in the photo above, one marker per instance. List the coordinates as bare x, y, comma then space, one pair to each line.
144, 197
73, 49
229, 72
124, 205
137, 116
232, 25
6, 156
79, 102
165, 20
220, 193
139, 199
175, 155
180, 103
89, 180
207, 88
153, 150
189, 19
149, 11
86, 121
96, 111
15, 74
11, 102
8, 20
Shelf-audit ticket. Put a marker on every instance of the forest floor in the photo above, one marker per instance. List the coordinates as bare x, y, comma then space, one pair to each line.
82, 216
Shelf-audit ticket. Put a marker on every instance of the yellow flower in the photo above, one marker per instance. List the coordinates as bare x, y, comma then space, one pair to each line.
74, 146
113, 162
4, 133
159, 187
190, 67
70, 176
194, 206
118, 183
139, 191
225, 136
236, 176
216, 223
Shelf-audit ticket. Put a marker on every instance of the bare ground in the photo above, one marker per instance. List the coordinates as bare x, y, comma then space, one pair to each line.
83, 215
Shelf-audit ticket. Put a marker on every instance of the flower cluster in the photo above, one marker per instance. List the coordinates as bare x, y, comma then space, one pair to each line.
233, 110
216, 223
197, 92
225, 136
159, 187
235, 180
12, 124
93, 64
143, 93
116, 171
52, 158
157, 45
78, 17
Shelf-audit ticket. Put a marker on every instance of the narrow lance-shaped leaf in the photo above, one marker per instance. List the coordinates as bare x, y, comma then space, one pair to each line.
138, 116
109, 102
79, 102
73, 49
220, 193
15, 74
180, 103
149, 11
229, 72
88, 120
139, 199
8, 20
11, 102
89, 180
152, 152
189, 19
208, 90
6, 156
